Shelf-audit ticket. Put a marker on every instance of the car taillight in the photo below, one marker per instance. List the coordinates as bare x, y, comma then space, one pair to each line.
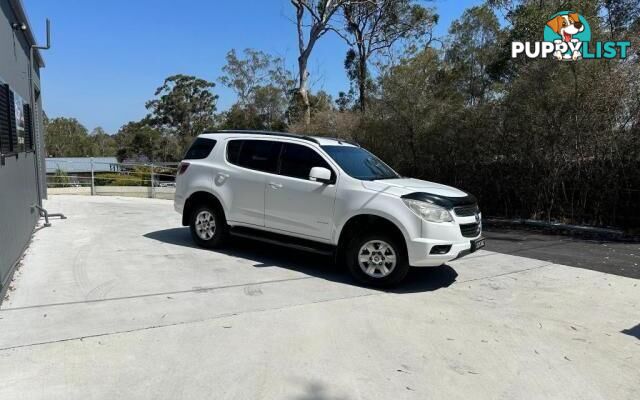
182, 168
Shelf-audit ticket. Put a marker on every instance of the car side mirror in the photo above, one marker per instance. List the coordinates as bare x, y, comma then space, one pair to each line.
320, 174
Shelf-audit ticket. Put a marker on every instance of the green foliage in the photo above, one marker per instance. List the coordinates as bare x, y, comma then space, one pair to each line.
104, 145
375, 26
473, 53
59, 179
141, 142
66, 137
319, 102
184, 106
263, 88
531, 138
621, 14
137, 176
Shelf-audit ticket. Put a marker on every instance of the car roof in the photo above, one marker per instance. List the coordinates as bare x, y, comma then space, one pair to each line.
319, 140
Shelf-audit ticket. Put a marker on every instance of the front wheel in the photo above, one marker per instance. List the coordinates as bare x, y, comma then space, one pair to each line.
208, 227
377, 259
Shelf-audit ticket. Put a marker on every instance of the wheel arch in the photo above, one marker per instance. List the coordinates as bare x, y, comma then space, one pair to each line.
198, 198
360, 223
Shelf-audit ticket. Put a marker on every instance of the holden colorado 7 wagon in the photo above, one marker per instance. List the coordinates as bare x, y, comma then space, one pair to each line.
324, 195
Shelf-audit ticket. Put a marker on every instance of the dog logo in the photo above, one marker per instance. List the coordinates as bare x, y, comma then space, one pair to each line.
567, 37
570, 28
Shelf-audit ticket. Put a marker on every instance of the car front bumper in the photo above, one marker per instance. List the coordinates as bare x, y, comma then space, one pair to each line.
442, 234
419, 252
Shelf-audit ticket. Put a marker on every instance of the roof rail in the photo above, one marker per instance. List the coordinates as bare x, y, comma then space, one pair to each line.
267, 133
340, 140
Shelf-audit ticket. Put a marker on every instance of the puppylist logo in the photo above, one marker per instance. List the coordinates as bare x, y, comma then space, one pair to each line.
567, 37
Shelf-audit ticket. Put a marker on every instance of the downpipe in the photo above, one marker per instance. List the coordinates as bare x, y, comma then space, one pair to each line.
39, 139
44, 213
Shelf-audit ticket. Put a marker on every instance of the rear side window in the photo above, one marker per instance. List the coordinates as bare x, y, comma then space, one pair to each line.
201, 148
297, 161
261, 155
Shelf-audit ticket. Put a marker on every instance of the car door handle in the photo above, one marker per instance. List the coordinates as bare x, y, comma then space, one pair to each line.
275, 185
220, 174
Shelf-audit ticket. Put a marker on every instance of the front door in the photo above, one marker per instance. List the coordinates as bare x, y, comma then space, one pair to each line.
293, 203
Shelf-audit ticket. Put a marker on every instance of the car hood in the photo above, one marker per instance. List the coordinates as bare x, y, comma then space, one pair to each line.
403, 186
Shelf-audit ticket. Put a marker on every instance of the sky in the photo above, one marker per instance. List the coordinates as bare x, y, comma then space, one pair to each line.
109, 56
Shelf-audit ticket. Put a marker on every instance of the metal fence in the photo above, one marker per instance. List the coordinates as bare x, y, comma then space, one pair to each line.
91, 177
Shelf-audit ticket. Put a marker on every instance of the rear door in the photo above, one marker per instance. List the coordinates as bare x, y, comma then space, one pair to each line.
251, 161
293, 203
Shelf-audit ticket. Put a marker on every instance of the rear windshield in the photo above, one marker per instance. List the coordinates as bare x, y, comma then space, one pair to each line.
201, 148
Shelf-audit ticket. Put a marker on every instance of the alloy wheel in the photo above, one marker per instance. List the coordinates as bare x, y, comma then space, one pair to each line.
377, 258
205, 225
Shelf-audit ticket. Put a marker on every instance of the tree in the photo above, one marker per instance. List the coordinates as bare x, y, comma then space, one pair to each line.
620, 14
314, 15
270, 105
238, 117
376, 25
326, 120
344, 101
475, 47
244, 75
59, 179
141, 142
415, 98
102, 144
319, 102
185, 106
263, 87
66, 137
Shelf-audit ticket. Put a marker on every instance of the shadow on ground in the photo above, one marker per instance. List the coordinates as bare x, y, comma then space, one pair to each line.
635, 331
317, 391
266, 255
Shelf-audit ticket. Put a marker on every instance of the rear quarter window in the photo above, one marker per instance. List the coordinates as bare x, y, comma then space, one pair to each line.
201, 148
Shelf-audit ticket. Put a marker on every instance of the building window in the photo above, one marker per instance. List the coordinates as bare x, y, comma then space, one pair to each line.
20, 125
16, 122
6, 143
28, 135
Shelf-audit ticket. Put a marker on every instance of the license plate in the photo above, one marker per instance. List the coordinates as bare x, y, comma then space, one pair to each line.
477, 244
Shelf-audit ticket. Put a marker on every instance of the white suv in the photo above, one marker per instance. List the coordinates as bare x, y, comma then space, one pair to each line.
323, 195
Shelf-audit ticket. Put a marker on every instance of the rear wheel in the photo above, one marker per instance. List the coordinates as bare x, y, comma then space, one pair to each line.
377, 259
208, 227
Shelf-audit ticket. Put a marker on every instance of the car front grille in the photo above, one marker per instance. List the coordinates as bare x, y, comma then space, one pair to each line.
470, 230
466, 211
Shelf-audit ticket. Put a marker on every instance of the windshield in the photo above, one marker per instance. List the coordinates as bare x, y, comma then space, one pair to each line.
359, 163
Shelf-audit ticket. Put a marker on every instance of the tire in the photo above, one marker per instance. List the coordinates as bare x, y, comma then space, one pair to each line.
208, 227
376, 251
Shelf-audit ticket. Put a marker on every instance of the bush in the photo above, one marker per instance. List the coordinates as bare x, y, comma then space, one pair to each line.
60, 179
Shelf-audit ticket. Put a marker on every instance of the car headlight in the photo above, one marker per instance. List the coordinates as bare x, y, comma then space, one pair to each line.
428, 212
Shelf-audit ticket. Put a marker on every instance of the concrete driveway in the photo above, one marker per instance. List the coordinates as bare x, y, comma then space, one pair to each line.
116, 303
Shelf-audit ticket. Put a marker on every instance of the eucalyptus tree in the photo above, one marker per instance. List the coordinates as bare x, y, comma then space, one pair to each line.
184, 106
263, 88
313, 20
373, 26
